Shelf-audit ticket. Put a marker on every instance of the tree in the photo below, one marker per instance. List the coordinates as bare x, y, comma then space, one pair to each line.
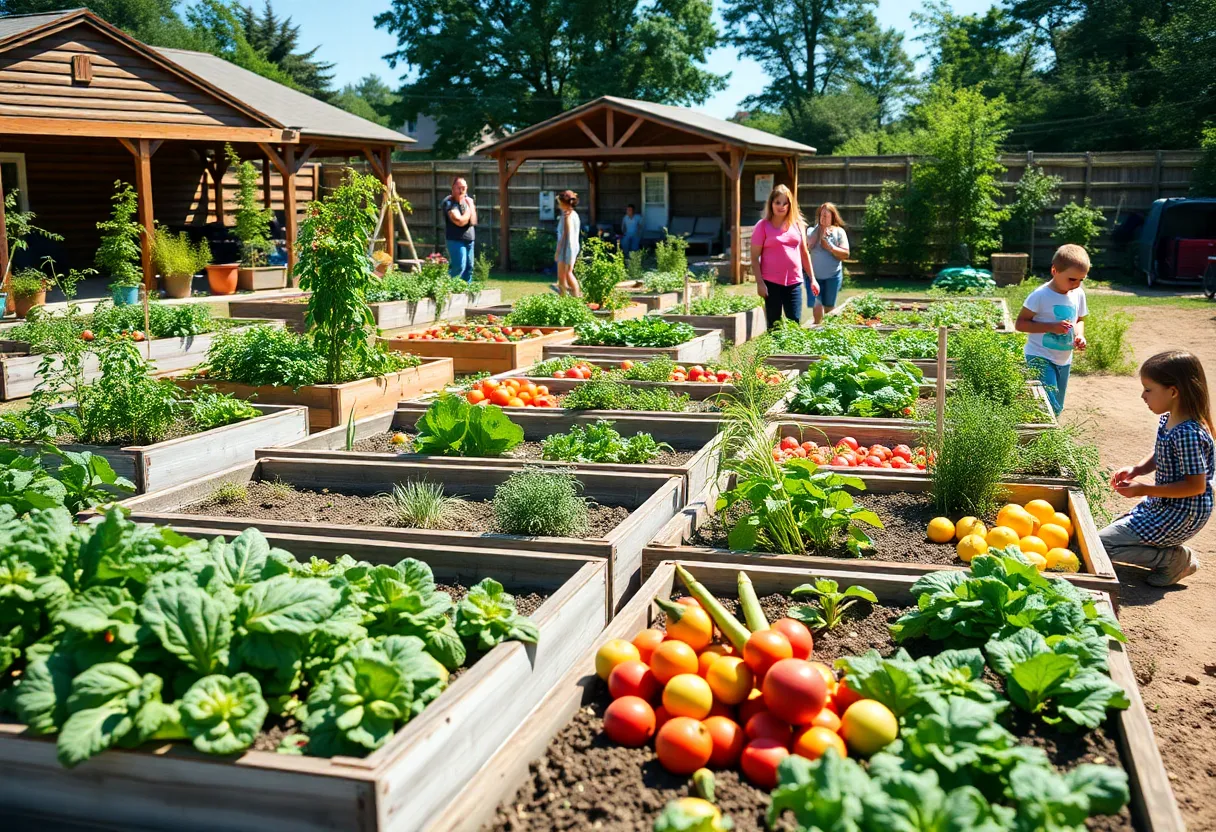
371, 99
882, 68
1203, 177
991, 50
152, 21
215, 28
506, 64
1034, 193
278, 40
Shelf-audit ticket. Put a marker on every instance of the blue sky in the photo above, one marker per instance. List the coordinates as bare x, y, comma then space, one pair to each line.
347, 37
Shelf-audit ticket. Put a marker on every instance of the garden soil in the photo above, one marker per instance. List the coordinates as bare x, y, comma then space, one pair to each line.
1172, 631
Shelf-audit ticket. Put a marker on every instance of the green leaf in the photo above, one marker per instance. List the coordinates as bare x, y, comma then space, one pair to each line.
89, 732
1036, 679
222, 714
190, 624
242, 563
40, 701
1105, 786
487, 616
442, 428
490, 432
1085, 698
285, 604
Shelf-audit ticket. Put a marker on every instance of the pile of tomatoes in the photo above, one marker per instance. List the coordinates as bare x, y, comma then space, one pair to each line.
514, 392
703, 704
484, 333
849, 453
580, 370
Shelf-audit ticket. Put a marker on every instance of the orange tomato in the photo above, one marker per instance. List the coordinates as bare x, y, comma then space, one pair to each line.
730, 679
501, 396
799, 636
812, 742
475, 397
764, 649
514, 383
710, 655
688, 601
688, 695
646, 642
827, 719
530, 386
844, 697
525, 397
515, 401
683, 745
728, 739
611, 653
489, 383
829, 678
542, 390
671, 658
695, 628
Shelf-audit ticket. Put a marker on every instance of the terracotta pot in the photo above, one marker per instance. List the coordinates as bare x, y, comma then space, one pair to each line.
178, 285
221, 278
24, 303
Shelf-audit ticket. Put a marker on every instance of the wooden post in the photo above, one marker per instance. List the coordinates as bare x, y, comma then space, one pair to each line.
289, 207
794, 177
1033, 220
143, 189
593, 176
504, 214
390, 230
436, 223
4, 264
687, 294
266, 188
941, 384
218, 168
736, 207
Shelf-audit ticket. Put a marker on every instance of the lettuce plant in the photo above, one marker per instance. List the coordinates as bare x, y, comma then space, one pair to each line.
857, 385
487, 617
453, 427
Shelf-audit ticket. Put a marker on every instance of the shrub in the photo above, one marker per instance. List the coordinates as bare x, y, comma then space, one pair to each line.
972, 456
1107, 350
264, 355
1080, 224
533, 250
1034, 193
174, 254
541, 503
636, 264
985, 367
671, 255
600, 269
877, 229
481, 268
549, 310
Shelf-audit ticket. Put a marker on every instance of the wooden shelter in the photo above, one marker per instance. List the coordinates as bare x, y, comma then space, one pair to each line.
612, 129
82, 104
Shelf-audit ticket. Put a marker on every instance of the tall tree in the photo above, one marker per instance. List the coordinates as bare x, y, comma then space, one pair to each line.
506, 64
882, 68
278, 39
371, 99
152, 21
992, 49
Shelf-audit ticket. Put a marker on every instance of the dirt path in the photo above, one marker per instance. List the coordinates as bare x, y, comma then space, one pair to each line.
1172, 631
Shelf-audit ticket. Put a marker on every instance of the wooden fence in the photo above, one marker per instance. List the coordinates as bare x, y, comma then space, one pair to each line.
1119, 184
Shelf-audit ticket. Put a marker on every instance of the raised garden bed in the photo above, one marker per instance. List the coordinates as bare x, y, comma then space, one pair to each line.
397, 314
175, 461
402, 785
557, 770
19, 369
915, 309
903, 504
332, 404
491, 356
737, 328
632, 507
655, 301
705, 347
501, 310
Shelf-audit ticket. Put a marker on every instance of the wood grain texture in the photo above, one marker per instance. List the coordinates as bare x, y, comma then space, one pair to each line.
477, 356
737, 328
705, 347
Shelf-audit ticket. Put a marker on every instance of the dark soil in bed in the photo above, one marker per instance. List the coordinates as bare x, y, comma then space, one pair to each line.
382, 443
586, 782
278, 501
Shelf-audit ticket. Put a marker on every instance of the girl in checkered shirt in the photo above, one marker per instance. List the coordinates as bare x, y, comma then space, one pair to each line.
1178, 503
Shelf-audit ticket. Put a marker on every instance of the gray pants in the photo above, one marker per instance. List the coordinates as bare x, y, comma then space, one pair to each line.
1125, 546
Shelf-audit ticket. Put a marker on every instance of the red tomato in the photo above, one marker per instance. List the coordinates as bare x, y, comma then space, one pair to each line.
788, 443
852, 443
844, 696
728, 739
626, 365
723, 376
769, 726
903, 452
764, 649
800, 638
632, 678
683, 745
759, 762
812, 742
810, 446
874, 461
840, 462
794, 691
629, 721
661, 718
646, 642
752, 706
696, 373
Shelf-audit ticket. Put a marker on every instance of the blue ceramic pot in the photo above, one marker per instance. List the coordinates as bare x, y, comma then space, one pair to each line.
125, 295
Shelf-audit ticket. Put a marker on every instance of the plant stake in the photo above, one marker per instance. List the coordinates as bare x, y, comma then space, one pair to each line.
941, 383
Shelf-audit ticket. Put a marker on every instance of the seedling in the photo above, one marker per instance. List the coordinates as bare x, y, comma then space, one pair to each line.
833, 601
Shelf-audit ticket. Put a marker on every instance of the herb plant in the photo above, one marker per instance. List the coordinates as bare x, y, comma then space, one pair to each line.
546, 368
600, 268
487, 616
724, 303
972, 456
423, 505
209, 409
252, 224
603, 394
670, 256
539, 502
650, 331
857, 386
118, 255
549, 310
175, 255
263, 355
986, 367
657, 283
601, 442
834, 603
453, 427
1108, 350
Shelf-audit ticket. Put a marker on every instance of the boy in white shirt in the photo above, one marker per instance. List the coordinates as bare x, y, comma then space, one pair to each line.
1053, 316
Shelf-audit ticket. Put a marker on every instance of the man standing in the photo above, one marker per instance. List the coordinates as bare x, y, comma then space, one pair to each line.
459, 221
631, 231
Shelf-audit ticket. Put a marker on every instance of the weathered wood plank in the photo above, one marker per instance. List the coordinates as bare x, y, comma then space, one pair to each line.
705, 347
737, 328
476, 356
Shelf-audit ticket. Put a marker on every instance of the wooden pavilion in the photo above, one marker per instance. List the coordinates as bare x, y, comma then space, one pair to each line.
83, 104
612, 129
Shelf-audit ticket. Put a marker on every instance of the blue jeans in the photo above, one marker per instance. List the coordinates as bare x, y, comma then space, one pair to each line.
460, 259
631, 242
1054, 378
787, 299
829, 288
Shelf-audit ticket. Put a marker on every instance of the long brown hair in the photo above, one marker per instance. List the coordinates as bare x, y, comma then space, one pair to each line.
794, 217
568, 198
831, 206
1182, 371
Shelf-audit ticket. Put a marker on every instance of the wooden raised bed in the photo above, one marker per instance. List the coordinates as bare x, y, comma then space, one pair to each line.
1005, 323
694, 474
395, 314
331, 404
1152, 806
175, 461
793, 361
19, 374
633, 310
737, 328
652, 501
705, 346
491, 356
655, 301
401, 786
672, 542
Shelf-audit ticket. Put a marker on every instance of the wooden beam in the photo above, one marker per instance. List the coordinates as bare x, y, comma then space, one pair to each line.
736, 206
504, 211
308, 150
274, 157
582, 125
514, 167
289, 208
4, 277
611, 125
130, 146
218, 167
721, 162
619, 152
26, 126
390, 228
791, 167
742, 161
593, 183
373, 163
143, 189
266, 188
637, 122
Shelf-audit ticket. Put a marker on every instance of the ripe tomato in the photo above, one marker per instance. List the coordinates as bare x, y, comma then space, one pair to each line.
611, 653
525, 397
812, 742
501, 396
753, 705
683, 745
708, 656
629, 721
852, 443
827, 719
632, 678
695, 628
829, 677
764, 649
559, 373
515, 401
903, 452
844, 696
768, 726
626, 365
87, 335
794, 691
728, 739
868, 726
661, 718
839, 462
696, 373
723, 376
542, 390
759, 762
671, 658
688, 695
800, 638
788, 443
689, 601
730, 679
646, 642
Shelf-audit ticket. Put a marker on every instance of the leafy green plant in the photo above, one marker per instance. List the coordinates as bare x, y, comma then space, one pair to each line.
165, 320
549, 310
636, 264
1108, 350
650, 331
985, 367
968, 462
657, 283
833, 602
423, 505
724, 303
481, 270
252, 223
657, 369
869, 306
487, 616
915, 688
229, 493
208, 409
264, 355
81, 480
671, 257
27, 282
539, 502
453, 427
857, 386
174, 254
603, 394
533, 250
1034, 194
1079, 223
601, 442
964, 281
118, 255
600, 268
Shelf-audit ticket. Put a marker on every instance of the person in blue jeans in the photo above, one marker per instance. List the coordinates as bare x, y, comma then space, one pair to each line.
459, 228
829, 247
631, 231
1053, 318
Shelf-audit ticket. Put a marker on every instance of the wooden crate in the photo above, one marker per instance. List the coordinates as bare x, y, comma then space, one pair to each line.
633, 310
737, 328
19, 375
176, 461
401, 786
1096, 573
388, 315
332, 404
695, 474
651, 498
1153, 806
705, 347
1005, 324
491, 356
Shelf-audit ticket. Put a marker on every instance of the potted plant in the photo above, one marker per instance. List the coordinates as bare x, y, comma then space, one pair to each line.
253, 230
118, 254
19, 225
177, 260
29, 285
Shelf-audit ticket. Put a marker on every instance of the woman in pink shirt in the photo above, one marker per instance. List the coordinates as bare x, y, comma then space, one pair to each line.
779, 257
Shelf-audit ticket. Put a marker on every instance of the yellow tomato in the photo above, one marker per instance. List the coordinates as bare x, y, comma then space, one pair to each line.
970, 546
695, 628
730, 680
868, 726
969, 525
1017, 518
1054, 536
1063, 560
941, 530
1063, 521
1040, 562
688, 695
612, 653
1041, 510
708, 656
1030, 543
1001, 536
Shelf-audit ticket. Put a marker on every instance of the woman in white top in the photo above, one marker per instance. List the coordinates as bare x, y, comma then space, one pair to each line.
568, 227
829, 247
